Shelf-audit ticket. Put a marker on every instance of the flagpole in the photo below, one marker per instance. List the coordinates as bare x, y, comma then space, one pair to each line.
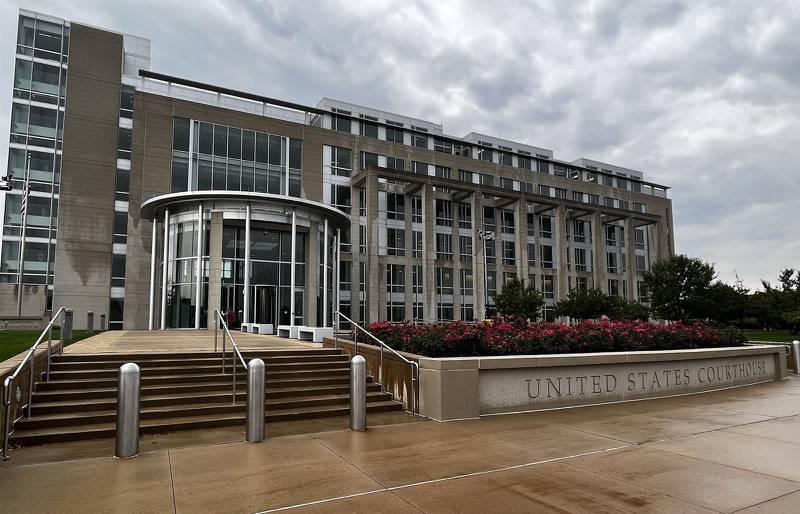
24, 212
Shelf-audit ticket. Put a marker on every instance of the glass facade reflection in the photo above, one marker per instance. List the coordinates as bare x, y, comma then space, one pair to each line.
206, 156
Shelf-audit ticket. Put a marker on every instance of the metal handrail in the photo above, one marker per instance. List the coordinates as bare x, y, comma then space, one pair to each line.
226, 332
7, 383
414, 365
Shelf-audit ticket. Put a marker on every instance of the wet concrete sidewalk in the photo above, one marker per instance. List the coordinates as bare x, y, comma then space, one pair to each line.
724, 451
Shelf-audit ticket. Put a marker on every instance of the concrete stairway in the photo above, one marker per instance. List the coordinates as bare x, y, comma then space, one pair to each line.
187, 391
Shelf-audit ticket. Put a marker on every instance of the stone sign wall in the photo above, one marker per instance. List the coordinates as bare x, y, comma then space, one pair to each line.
541, 388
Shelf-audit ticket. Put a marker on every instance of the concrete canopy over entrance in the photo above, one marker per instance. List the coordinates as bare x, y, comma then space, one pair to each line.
282, 241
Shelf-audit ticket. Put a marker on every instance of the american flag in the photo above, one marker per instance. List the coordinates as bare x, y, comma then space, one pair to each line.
25, 194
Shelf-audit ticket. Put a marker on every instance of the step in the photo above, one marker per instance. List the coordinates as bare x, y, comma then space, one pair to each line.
192, 370
105, 430
142, 356
193, 409
156, 363
66, 404
108, 387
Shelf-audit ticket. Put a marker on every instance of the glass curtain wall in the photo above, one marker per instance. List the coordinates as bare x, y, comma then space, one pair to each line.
37, 121
270, 275
233, 159
182, 275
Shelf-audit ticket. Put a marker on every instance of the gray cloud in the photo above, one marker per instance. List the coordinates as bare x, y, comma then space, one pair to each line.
699, 95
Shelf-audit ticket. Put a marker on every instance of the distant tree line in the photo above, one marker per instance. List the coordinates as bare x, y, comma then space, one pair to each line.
680, 288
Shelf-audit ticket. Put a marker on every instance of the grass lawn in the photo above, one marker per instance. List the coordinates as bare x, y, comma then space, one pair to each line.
13, 342
775, 336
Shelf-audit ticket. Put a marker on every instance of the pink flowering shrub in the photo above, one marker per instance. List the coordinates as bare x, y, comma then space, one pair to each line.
513, 336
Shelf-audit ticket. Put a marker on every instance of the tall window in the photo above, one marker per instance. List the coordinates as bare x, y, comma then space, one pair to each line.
395, 206
341, 161
546, 227
369, 129
444, 247
507, 219
394, 135
342, 123
464, 215
340, 197
416, 209
546, 256
465, 248
509, 253
444, 213
416, 244
395, 241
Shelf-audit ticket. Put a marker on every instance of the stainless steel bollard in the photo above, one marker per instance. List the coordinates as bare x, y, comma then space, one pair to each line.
358, 394
256, 429
66, 327
90, 322
102, 322
796, 356
128, 391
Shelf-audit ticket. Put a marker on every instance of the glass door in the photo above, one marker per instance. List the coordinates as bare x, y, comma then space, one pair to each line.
265, 300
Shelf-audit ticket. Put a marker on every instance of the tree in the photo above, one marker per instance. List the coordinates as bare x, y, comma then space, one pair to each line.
517, 299
680, 288
631, 311
784, 302
729, 304
588, 304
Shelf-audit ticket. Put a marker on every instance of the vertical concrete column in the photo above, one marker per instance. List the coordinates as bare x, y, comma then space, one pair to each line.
336, 266
292, 271
458, 300
599, 246
478, 270
630, 257
153, 257
561, 251
312, 276
521, 213
246, 314
409, 260
373, 271
428, 254
198, 294
214, 266
164, 271
325, 249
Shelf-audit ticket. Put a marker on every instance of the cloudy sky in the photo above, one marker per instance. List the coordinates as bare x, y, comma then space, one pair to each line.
701, 96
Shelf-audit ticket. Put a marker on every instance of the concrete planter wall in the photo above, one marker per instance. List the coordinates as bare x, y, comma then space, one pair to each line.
467, 387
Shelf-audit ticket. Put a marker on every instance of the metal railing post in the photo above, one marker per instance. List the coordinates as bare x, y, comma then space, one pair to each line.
796, 356
355, 338
216, 329
358, 394
256, 376
233, 365
336, 332
128, 392
90, 322
7, 418
223, 351
380, 371
66, 327
49, 350
30, 386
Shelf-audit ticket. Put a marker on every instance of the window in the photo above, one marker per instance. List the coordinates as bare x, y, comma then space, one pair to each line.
509, 253
506, 159
362, 239
465, 248
613, 287
639, 207
544, 190
580, 231
642, 294
444, 213
580, 259
416, 244
611, 262
395, 278
507, 221
548, 287
394, 135
581, 284
543, 167
592, 199
546, 227
461, 149
369, 159
641, 238
488, 218
611, 235
559, 171
124, 143
420, 168
485, 154
444, 281
442, 172
487, 180
546, 256
467, 283
440, 145
369, 129
464, 215
523, 162
341, 161
465, 176
531, 218
490, 249
444, 247
340, 197
419, 140
507, 183
531, 254
341, 124
362, 201
416, 209
395, 206
641, 264
608, 180
393, 163
396, 241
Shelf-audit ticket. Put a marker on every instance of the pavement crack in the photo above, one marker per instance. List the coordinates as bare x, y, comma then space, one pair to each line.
172, 482
383, 486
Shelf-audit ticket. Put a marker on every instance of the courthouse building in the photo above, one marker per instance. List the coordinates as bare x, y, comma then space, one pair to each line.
156, 199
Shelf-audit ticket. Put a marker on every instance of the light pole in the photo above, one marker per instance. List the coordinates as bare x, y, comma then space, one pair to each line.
24, 211
485, 235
